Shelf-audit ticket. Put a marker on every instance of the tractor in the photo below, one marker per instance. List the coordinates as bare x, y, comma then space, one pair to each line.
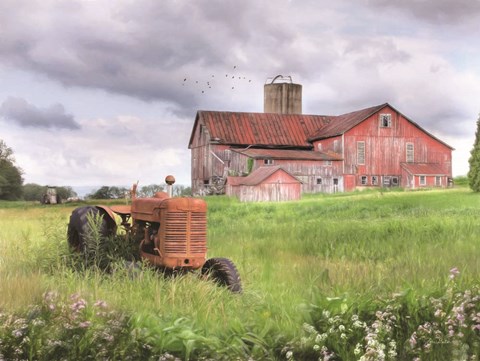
171, 233
51, 196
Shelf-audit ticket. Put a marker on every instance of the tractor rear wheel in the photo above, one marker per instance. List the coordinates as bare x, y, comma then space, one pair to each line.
79, 227
224, 273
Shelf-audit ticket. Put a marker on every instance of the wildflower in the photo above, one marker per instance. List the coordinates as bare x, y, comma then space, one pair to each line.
17, 333
78, 305
289, 355
413, 340
454, 272
84, 324
321, 337
392, 353
100, 303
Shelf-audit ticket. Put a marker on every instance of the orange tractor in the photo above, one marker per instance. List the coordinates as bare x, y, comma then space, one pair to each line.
171, 233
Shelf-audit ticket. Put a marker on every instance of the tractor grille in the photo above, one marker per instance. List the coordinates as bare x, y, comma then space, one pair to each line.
186, 233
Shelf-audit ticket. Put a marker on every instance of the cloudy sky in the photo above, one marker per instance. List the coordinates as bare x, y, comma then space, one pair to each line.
93, 92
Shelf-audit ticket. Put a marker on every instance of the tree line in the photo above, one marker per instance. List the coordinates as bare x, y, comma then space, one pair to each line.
12, 187
106, 192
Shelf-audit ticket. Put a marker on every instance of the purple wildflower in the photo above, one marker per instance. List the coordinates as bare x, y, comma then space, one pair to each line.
454, 272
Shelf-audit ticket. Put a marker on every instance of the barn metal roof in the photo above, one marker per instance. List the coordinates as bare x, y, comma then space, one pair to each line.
285, 130
261, 129
258, 176
424, 169
288, 154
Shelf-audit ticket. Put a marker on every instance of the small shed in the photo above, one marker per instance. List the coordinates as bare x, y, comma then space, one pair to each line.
420, 175
265, 184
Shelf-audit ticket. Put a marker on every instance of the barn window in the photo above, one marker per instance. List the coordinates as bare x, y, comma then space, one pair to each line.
438, 181
268, 161
385, 120
319, 181
360, 152
423, 180
386, 181
363, 180
395, 181
374, 180
410, 153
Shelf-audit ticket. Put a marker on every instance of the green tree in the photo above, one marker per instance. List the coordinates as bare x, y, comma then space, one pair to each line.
474, 162
181, 191
33, 192
66, 192
149, 190
10, 176
106, 192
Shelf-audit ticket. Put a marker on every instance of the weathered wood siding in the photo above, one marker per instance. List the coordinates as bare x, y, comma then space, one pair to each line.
276, 188
307, 171
208, 160
334, 144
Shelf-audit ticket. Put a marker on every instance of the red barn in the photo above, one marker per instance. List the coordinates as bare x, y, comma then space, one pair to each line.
265, 184
372, 147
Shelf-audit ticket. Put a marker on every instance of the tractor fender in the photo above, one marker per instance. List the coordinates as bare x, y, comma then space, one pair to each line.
108, 212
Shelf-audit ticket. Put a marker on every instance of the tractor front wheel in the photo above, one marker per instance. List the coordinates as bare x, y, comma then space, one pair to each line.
224, 273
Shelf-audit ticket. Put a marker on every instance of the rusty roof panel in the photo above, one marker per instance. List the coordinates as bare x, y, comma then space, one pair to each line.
289, 154
267, 129
424, 169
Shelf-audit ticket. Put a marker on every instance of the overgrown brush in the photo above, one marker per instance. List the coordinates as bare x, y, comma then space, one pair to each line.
406, 326
341, 277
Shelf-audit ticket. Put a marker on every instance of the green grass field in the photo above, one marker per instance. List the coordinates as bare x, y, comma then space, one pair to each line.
354, 276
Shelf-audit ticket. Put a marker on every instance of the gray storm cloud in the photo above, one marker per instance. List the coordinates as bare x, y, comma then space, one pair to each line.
438, 11
143, 49
19, 111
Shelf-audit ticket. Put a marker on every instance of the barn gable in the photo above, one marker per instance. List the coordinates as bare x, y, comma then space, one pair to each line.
265, 184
